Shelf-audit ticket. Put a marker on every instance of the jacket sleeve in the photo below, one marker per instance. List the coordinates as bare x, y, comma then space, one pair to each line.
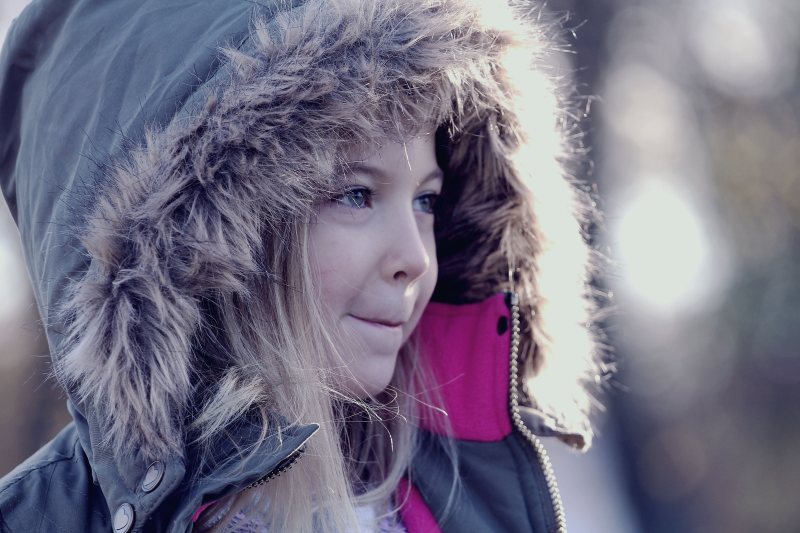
53, 491
3, 527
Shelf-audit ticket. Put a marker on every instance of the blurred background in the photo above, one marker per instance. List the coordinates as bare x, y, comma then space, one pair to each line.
693, 119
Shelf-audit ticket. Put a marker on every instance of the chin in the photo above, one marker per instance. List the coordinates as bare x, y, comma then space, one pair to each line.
374, 392
370, 372
370, 385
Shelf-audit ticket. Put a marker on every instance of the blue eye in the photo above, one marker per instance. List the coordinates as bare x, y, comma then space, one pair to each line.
356, 198
426, 203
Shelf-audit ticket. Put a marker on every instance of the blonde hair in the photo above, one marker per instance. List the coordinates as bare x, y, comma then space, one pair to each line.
282, 356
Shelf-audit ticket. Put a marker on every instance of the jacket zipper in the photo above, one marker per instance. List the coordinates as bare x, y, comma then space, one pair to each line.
282, 467
538, 447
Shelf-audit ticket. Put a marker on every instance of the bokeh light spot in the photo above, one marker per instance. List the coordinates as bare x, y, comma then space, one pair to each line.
665, 249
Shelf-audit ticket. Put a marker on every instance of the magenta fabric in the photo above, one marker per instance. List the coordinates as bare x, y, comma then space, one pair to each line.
415, 515
199, 511
468, 352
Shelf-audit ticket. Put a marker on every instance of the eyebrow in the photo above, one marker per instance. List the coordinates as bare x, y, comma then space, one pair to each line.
378, 173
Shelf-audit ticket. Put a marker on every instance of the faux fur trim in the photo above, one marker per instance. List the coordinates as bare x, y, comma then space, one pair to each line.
183, 216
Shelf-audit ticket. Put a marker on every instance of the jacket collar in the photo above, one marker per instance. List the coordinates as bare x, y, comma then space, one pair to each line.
190, 480
468, 348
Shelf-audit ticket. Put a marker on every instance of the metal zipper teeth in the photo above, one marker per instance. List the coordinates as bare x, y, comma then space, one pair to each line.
541, 453
287, 464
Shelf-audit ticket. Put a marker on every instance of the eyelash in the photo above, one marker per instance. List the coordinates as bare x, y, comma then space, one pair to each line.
345, 199
432, 198
342, 199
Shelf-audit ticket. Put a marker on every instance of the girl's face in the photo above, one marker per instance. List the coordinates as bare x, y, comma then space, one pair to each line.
374, 256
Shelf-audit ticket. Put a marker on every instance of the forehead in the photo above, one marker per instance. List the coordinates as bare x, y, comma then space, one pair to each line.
413, 157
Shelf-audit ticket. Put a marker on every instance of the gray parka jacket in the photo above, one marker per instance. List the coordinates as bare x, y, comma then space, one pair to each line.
146, 148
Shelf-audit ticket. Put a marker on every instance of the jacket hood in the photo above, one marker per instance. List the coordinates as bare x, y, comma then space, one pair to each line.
177, 138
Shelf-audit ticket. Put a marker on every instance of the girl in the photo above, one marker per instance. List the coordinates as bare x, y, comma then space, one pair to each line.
304, 266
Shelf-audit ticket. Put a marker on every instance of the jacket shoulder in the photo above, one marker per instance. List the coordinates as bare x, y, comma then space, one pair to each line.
53, 491
61, 448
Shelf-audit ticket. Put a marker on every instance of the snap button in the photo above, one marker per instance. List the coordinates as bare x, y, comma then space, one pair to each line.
123, 518
502, 325
153, 476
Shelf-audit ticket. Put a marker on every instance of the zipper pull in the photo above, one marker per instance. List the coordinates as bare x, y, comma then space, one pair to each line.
513, 273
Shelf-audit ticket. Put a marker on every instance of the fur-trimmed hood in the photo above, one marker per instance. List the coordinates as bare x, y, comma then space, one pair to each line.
149, 149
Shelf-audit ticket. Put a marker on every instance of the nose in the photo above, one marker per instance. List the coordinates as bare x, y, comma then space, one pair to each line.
407, 255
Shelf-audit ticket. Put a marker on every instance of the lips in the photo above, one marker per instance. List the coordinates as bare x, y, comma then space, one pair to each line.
384, 336
380, 321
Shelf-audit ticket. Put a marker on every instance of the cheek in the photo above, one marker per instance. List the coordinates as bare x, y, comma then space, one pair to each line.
327, 274
334, 263
326, 281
